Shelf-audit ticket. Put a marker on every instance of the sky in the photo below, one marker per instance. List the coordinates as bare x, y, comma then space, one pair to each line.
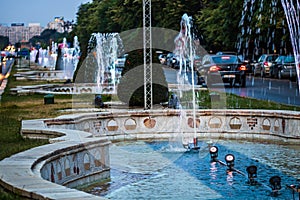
38, 11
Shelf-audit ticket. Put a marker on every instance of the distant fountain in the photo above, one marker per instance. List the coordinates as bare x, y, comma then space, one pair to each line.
107, 48
53, 54
67, 58
76, 53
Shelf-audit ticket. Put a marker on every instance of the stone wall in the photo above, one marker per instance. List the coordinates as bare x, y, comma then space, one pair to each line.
238, 124
49, 171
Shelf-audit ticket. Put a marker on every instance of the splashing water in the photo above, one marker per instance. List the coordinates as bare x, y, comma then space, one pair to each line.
185, 52
70, 57
108, 47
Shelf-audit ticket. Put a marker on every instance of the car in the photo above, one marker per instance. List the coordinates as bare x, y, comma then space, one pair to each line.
222, 69
284, 67
172, 60
197, 61
120, 61
241, 57
162, 59
262, 67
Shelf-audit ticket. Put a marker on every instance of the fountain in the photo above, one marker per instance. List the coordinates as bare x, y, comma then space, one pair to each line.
185, 52
67, 57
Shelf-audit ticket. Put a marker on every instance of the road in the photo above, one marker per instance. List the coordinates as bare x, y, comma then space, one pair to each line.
281, 91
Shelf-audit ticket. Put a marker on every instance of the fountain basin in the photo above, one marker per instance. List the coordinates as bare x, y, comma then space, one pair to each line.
79, 151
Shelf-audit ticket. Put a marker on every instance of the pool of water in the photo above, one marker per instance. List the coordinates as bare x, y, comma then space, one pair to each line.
165, 170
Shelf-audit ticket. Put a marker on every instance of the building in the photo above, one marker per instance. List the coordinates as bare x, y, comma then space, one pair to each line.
60, 25
18, 32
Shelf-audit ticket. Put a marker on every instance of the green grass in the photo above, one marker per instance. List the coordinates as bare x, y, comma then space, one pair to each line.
207, 100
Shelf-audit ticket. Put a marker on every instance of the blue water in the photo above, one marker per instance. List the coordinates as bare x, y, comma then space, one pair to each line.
164, 170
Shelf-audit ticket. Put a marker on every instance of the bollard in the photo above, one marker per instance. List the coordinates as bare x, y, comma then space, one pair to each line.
49, 99
214, 96
98, 101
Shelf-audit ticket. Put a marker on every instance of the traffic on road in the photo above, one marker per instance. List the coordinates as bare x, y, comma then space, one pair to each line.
277, 80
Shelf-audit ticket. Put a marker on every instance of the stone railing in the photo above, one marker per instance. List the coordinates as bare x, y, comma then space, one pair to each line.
237, 124
65, 89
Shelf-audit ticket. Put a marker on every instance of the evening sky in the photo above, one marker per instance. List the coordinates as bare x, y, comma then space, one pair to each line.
38, 11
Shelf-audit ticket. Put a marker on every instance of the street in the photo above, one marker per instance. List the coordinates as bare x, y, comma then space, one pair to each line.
282, 91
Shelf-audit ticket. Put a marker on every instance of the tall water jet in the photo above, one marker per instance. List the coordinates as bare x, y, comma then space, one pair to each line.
292, 13
108, 47
185, 52
76, 53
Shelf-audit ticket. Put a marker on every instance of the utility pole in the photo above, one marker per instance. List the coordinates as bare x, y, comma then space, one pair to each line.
147, 38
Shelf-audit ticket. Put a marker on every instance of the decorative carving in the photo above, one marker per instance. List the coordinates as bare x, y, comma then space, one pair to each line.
191, 122
149, 122
52, 173
130, 124
86, 161
67, 167
86, 127
215, 122
251, 122
112, 125
266, 125
283, 125
235, 123
276, 125
97, 158
59, 171
97, 126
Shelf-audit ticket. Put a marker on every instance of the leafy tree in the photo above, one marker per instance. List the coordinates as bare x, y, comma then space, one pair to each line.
131, 86
218, 22
46, 37
4, 42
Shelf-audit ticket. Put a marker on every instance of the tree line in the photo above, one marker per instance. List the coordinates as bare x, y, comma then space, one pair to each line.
249, 27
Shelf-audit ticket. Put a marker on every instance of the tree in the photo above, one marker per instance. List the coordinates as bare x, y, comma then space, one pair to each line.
4, 42
131, 86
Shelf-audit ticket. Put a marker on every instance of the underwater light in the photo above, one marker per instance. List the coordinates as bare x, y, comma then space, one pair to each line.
252, 173
213, 152
275, 182
229, 161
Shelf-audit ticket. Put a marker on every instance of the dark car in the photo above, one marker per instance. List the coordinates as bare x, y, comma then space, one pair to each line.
222, 69
263, 65
284, 67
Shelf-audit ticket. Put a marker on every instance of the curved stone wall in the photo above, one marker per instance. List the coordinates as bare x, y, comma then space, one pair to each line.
238, 124
79, 151
48, 172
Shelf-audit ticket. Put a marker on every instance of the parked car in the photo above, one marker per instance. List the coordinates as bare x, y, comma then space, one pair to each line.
162, 59
284, 67
262, 67
172, 61
222, 69
197, 61
120, 62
